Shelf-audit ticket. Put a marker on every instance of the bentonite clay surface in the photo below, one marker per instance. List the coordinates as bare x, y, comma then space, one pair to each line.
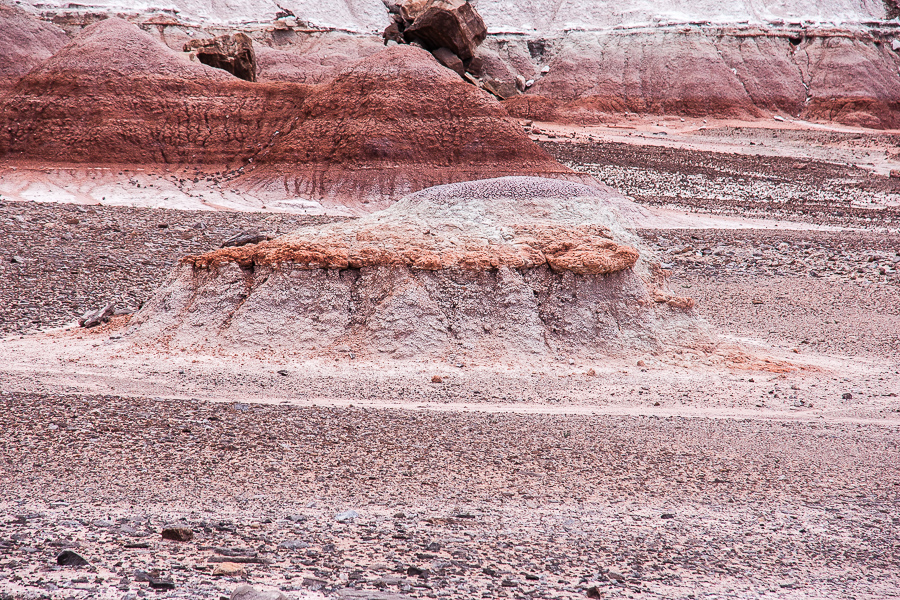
494, 268
25, 42
116, 95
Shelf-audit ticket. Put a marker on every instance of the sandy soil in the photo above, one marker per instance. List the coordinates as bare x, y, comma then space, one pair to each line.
694, 475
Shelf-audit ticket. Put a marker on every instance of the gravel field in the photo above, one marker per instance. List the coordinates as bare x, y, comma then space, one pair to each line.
121, 254
779, 187
60, 260
449, 505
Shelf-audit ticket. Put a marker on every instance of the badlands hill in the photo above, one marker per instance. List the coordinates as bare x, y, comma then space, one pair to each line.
516, 267
829, 61
116, 95
394, 123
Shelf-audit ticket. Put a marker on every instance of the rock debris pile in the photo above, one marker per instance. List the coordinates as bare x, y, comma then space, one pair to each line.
510, 267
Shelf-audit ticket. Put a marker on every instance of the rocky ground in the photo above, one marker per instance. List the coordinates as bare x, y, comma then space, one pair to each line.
447, 504
657, 482
59, 260
755, 182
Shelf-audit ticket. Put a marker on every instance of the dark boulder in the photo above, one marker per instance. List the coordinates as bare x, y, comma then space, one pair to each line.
451, 24
449, 60
233, 53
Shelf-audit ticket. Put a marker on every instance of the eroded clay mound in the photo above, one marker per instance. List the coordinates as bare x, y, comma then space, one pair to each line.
25, 42
735, 73
117, 95
500, 269
394, 123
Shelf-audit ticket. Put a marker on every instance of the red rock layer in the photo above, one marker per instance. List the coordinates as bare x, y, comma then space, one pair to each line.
116, 95
585, 250
394, 123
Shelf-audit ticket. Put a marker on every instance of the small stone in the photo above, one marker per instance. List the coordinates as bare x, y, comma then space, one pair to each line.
641, 363
667, 516
96, 317
283, 372
244, 238
17, 260
246, 592
449, 60
161, 584
615, 576
594, 592
416, 572
346, 516
177, 534
591, 372
67, 558
229, 569
847, 396
436, 379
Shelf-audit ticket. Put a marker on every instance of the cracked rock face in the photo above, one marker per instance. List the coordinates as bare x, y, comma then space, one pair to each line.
508, 268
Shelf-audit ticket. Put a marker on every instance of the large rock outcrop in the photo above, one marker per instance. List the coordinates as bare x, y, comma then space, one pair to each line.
508, 268
450, 24
394, 123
